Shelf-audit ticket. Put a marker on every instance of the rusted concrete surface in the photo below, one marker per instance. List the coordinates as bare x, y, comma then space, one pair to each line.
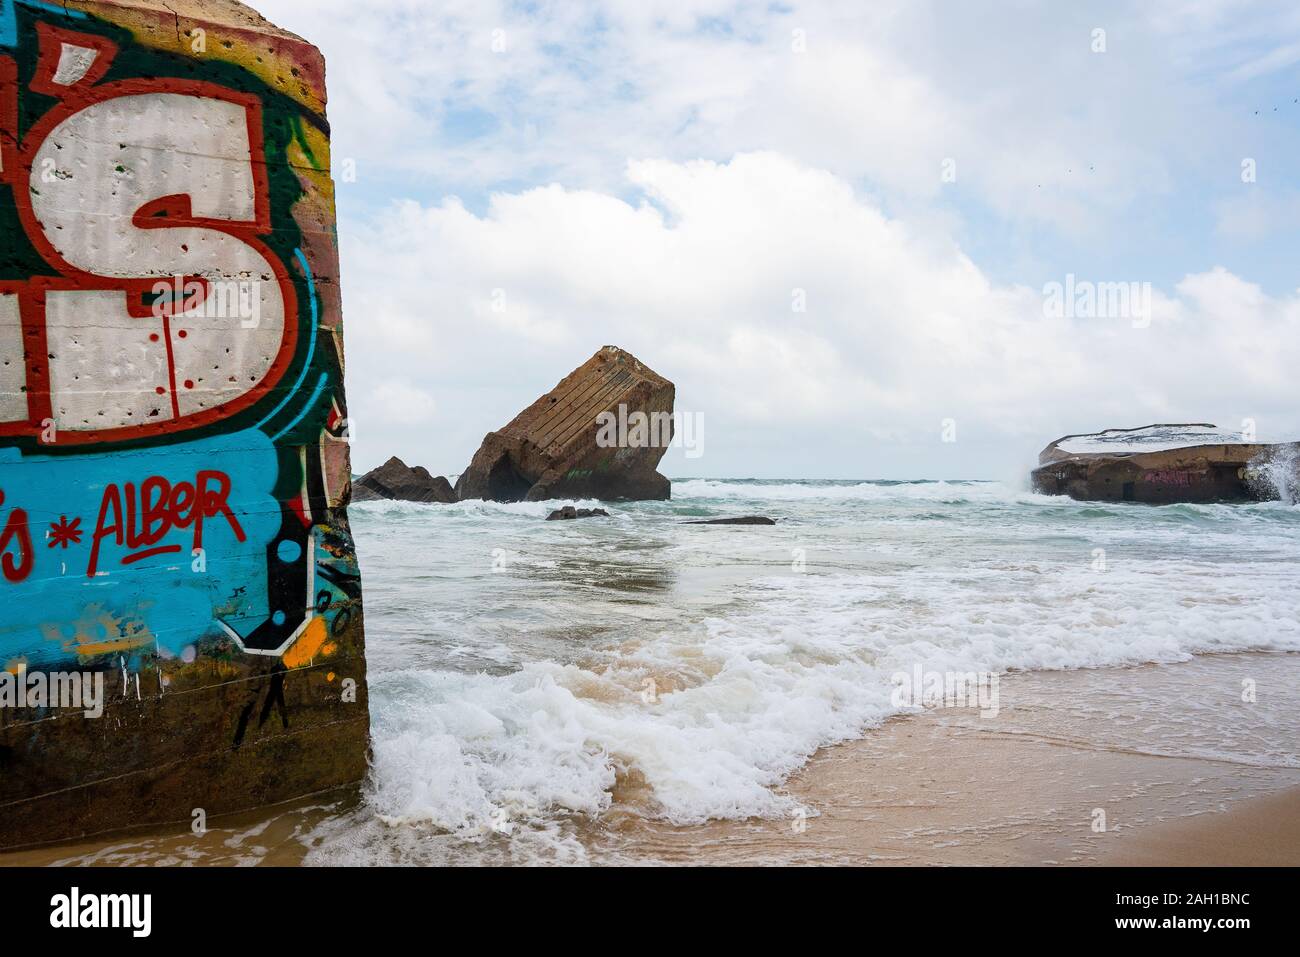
556, 447
173, 459
1149, 465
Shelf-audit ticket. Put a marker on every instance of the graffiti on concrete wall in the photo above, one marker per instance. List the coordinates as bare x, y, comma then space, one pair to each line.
1178, 477
172, 428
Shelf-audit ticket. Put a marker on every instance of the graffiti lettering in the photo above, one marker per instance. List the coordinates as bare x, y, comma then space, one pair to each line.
174, 372
1170, 477
171, 401
16, 535
141, 523
116, 361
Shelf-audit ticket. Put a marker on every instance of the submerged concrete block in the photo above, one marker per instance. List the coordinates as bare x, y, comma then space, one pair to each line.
1165, 464
181, 629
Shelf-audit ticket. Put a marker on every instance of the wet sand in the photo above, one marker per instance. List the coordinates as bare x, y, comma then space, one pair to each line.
1253, 833
1184, 771
1153, 765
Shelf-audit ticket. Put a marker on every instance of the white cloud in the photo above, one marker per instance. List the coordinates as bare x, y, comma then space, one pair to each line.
396, 403
697, 277
663, 175
1257, 212
1042, 129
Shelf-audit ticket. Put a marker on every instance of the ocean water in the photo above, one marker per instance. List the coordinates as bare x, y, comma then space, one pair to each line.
532, 681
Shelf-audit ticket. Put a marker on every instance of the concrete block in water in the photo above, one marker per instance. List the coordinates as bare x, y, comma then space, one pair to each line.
600, 433
1165, 464
174, 544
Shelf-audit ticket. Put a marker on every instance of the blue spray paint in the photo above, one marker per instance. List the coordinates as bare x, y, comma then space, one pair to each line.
9, 17
163, 602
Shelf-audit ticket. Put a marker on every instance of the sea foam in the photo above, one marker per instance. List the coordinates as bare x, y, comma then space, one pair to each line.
684, 672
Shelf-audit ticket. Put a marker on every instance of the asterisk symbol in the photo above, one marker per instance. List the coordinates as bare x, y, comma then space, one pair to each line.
62, 532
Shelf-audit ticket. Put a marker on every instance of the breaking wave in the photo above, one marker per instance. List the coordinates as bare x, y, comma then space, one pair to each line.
682, 672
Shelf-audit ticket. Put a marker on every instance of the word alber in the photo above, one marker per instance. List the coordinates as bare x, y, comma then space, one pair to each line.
58, 689
103, 910
140, 521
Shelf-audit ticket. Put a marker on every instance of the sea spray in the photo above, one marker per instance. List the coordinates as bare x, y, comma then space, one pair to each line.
1275, 474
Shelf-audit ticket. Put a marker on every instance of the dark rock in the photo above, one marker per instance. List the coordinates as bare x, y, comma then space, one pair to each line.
570, 512
741, 520
556, 448
395, 480
1161, 465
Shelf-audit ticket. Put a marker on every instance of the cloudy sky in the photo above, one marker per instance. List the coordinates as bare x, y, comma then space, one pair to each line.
830, 224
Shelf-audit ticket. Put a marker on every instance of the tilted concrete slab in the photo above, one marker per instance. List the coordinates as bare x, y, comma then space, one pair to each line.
556, 448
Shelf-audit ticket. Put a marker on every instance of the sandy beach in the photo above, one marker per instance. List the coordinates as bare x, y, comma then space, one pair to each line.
1178, 763
1184, 770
